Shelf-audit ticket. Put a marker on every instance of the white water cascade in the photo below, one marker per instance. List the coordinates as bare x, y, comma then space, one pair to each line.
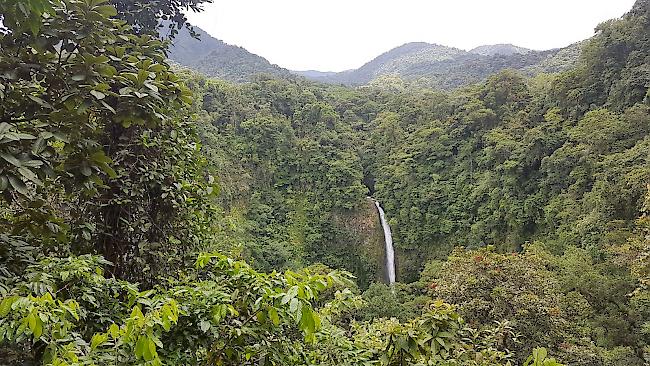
388, 238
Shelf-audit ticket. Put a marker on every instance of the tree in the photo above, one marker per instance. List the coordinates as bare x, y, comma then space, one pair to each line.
151, 16
65, 311
87, 108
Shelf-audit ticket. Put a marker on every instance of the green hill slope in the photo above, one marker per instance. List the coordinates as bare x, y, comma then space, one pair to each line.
216, 58
445, 68
499, 49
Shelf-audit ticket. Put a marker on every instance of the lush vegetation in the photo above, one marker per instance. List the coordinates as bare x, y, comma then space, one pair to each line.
417, 64
424, 65
499, 49
195, 48
150, 215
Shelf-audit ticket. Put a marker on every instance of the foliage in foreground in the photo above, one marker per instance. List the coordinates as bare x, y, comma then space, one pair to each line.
97, 151
66, 312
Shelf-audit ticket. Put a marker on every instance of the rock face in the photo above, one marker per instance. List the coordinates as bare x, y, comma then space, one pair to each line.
362, 229
389, 249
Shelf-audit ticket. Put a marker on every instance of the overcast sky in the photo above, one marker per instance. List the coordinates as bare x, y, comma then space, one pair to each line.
336, 35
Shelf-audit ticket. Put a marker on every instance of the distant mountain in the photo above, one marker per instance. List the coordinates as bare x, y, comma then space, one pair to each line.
446, 68
418, 63
216, 58
404, 60
500, 49
313, 74
401, 61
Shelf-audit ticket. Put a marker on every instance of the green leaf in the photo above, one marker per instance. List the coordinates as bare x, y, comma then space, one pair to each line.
98, 340
32, 164
151, 86
4, 127
157, 342
107, 71
143, 75
72, 309
38, 146
108, 170
114, 331
40, 102
38, 328
156, 68
126, 91
18, 185
21, 328
106, 10
11, 159
149, 350
140, 346
307, 322
25, 136
97, 94
293, 305
273, 315
204, 325
61, 137
167, 325
5, 305
4, 182
29, 175
31, 321
100, 157
186, 99
86, 171
108, 107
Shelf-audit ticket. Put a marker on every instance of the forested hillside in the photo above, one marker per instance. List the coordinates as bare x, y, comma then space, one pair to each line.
499, 49
418, 64
154, 215
214, 58
444, 68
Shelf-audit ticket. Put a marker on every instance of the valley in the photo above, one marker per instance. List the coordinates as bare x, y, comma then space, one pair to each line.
416, 64
169, 199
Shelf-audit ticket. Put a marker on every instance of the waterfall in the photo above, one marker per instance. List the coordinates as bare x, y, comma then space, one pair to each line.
388, 238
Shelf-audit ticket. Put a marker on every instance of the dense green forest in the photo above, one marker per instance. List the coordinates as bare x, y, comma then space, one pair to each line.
412, 65
152, 215
212, 57
432, 66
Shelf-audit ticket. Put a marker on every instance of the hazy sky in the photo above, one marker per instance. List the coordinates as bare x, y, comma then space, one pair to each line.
335, 35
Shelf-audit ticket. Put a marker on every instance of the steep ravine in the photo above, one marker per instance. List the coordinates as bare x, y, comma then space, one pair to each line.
362, 228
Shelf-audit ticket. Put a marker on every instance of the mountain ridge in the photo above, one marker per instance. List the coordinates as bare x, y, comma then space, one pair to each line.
505, 49
421, 64
216, 58
441, 67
